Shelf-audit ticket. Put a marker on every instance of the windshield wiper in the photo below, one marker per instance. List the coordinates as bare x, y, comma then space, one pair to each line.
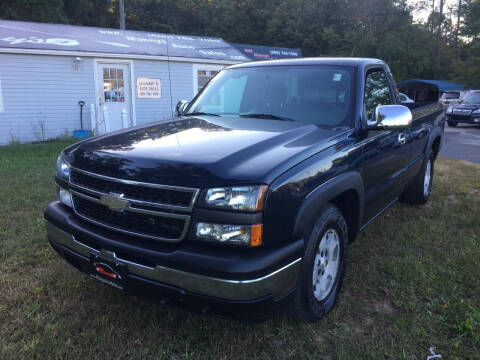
200, 113
266, 116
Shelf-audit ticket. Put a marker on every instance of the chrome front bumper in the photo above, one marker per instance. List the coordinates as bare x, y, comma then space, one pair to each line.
277, 283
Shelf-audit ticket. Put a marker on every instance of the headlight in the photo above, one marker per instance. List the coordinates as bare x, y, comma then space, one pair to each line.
243, 198
449, 110
63, 168
64, 196
248, 235
476, 112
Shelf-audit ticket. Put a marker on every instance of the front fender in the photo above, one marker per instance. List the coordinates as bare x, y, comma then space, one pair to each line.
437, 131
324, 193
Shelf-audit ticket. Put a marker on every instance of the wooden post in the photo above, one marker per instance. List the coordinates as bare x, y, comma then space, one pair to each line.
93, 120
106, 122
125, 123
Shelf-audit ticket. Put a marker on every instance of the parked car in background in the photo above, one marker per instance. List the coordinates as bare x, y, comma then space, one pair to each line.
468, 111
405, 99
248, 199
450, 97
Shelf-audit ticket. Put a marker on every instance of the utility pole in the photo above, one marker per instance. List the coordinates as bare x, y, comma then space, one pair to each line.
122, 14
457, 30
439, 35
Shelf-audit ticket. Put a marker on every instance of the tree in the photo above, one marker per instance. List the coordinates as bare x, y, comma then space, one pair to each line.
101, 13
445, 46
34, 10
472, 19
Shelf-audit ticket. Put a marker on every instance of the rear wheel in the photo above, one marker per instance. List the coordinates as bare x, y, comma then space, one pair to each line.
419, 191
452, 123
323, 265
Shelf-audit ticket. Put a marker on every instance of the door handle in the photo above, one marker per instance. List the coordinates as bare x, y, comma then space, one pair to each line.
402, 139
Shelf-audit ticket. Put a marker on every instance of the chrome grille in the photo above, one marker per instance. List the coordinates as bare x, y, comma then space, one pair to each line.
462, 112
150, 211
163, 196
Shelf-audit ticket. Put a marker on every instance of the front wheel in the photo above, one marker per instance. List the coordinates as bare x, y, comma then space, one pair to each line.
323, 265
419, 191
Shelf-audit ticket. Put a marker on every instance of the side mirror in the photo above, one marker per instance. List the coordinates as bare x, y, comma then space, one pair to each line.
391, 117
181, 106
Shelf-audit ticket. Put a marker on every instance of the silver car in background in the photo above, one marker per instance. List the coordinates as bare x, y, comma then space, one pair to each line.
450, 97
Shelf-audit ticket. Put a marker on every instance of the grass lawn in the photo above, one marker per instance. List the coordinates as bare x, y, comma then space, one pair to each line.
413, 281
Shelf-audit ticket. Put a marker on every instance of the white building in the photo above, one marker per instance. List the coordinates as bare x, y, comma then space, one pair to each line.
123, 77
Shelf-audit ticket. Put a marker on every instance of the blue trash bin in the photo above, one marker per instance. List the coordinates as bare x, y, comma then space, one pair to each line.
81, 134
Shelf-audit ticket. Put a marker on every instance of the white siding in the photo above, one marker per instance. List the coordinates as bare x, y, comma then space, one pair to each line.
181, 79
43, 91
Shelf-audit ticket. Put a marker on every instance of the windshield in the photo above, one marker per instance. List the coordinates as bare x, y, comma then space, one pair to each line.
315, 94
473, 98
453, 95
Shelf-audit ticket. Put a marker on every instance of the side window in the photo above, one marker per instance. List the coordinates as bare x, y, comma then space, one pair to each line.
377, 91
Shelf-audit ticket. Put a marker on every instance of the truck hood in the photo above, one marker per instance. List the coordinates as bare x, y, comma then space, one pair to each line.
203, 151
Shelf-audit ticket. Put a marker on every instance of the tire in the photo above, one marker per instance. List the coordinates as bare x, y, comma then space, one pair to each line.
419, 191
318, 284
452, 123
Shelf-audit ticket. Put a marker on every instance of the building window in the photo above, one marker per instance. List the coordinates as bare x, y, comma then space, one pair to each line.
113, 86
202, 74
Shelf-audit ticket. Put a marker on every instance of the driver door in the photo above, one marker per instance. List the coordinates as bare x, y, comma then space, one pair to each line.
384, 152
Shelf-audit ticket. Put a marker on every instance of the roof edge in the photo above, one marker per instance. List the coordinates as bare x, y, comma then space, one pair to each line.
115, 56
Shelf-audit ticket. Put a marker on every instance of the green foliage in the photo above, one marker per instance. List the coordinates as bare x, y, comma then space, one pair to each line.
368, 28
472, 19
464, 321
33, 10
101, 13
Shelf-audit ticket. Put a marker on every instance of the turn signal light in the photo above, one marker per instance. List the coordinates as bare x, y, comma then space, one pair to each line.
256, 232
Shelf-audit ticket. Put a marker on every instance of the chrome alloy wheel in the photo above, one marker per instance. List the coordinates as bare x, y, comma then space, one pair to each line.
325, 267
427, 179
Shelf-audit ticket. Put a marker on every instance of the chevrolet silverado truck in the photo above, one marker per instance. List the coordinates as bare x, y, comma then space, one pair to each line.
247, 199
466, 112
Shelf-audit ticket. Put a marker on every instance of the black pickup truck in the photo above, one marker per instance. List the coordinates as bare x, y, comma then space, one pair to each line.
248, 199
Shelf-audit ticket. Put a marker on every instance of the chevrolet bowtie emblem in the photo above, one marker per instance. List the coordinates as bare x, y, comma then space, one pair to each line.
114, 202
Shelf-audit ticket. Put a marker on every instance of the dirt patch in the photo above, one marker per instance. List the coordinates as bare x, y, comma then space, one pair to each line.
383, 306
368, 321
452, 199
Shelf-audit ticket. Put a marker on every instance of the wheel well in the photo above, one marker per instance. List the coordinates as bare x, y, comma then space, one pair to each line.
349, 203
436, 146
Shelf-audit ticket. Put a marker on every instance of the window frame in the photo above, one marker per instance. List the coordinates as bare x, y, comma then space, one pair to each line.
393, 94
205, 67
117, 80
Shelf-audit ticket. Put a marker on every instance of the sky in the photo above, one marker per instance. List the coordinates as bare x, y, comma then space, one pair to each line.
421, 16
